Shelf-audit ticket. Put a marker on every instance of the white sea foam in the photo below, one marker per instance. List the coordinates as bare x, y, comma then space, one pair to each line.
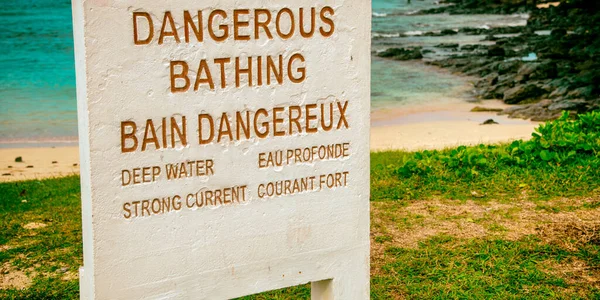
379, 15
517, 24
413, 33
385, 35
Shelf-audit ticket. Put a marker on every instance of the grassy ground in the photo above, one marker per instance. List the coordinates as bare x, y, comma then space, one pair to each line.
40, 239
514, 221
504, 236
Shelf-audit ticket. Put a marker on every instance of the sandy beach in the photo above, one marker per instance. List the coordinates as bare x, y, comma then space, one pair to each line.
444, 125
408, 128
38, 163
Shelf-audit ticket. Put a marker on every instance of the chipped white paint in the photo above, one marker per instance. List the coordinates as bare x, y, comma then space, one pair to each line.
238, 240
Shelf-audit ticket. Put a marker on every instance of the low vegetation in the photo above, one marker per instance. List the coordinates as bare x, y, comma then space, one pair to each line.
561, 160
507, 221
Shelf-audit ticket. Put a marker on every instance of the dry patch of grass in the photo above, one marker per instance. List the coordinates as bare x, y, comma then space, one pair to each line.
565, 222
406, 225
571, 234
11, 278
575, 271
34, 225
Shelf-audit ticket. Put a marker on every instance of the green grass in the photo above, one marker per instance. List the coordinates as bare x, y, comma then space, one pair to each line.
50, 253
296, 292
541, 182
442, 267
447, 268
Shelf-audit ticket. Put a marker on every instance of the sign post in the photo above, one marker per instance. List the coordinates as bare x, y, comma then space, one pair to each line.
224, 148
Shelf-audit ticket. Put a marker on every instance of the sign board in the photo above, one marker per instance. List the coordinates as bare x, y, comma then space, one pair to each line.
224, 147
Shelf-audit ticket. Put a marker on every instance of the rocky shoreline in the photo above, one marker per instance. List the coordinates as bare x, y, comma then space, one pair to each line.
540, 74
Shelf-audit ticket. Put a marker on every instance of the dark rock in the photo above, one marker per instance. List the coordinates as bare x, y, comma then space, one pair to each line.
486, 109
442, 63
502, 42
480, 72
536, 111
583, 92
513, 109
544, 103
472, 31
545, 85
567, 105
593, 105
54, 162
472, 65
429, 33
509, 66
558, 33
19, 159
487, 81
29, 167
448, 46
587, 65
523, 92
489, 122
527, 69
588, 77
490, 37
482, 7
544, 70
453, 62
520, 79
510, 53
566, 68
559, 92
545, 116
577, 53
506, 79
391, 52
559, 82
448, 32
555, 51
496, 50
469, 47
402, 54
528, 32
6, 174
494, 92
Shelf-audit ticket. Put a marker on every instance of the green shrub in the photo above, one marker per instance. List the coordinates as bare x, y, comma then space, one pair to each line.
564, 140
555, 143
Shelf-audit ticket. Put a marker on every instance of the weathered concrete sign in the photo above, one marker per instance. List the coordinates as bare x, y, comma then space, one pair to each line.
224, 147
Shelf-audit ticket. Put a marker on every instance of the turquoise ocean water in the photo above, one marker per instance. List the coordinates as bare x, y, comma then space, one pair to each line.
37, 77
